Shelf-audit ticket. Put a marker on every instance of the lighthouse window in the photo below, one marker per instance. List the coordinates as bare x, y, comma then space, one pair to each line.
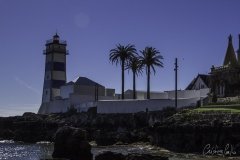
59, 66
48, 66
57, 83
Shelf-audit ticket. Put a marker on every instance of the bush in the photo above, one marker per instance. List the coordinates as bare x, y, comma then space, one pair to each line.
71, 110
214, 98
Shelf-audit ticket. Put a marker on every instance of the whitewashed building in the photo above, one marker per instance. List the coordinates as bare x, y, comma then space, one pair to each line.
160, 100
83, 93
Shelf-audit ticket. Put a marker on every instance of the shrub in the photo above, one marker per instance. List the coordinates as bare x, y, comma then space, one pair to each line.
71, 110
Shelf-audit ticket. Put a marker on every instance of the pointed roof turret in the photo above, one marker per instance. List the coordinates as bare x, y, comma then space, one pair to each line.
230, 57
56, 37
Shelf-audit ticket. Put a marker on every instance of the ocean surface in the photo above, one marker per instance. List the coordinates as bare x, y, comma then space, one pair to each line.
10, 150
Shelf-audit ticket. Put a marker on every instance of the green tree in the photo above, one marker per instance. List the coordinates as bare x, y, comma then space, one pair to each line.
121, 55
135, 66
150, 58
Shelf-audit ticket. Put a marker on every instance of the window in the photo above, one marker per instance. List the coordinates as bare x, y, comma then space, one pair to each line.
59, 66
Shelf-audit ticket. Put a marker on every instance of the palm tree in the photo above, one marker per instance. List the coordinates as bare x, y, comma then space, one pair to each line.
135, 66
150, 58
121, 54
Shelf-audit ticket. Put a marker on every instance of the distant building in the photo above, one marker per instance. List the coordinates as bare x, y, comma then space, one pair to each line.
225, 80
200, 82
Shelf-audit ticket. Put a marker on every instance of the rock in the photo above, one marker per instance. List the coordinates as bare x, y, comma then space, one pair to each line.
7, 134
71, 143
31, 116
105, 138
135, 156
110, 156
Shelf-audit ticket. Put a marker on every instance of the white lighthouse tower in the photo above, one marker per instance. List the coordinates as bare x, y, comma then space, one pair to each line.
55, 70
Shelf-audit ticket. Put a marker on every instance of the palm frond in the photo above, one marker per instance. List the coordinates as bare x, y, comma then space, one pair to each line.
135, 65
152, 58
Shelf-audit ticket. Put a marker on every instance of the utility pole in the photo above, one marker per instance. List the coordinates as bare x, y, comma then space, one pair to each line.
176, 69
95, 92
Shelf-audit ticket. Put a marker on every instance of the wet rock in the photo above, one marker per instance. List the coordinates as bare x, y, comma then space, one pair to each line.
144, 157
133, 156
105, 138
110, 156
71, 143
189, 132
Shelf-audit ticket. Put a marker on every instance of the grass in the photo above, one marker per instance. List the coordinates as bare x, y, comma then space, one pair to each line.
233, 108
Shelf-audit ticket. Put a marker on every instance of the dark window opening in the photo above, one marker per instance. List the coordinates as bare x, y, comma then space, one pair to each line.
59, 66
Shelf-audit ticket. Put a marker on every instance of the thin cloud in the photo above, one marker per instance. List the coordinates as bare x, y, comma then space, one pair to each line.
17, 109
19, 106
26, 85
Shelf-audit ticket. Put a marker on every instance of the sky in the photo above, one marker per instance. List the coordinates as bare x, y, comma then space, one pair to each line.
194, 31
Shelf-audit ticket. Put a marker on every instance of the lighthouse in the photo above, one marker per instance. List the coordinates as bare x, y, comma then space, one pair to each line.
55, 70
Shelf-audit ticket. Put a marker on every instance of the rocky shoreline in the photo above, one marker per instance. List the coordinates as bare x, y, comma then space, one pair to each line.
216, 133
178, 131
105, 129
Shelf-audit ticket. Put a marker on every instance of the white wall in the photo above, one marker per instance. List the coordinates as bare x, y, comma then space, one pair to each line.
65, 91
133, 106
55, 92
161, 95
76, 99
111, 105
184, 94
109, 92
55, 106
204, 92
88, 90
169, 94
143, 95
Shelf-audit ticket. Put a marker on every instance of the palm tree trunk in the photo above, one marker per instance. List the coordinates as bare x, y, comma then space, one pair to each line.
123, 79
148, 82
134, 85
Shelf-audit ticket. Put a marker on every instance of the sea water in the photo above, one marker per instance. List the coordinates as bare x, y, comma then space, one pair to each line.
10, 150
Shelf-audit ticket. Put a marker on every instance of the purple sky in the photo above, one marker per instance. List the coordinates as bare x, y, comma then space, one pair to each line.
194, 31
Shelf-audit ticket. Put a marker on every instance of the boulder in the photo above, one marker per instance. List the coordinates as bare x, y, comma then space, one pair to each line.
29, 116
71, 143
